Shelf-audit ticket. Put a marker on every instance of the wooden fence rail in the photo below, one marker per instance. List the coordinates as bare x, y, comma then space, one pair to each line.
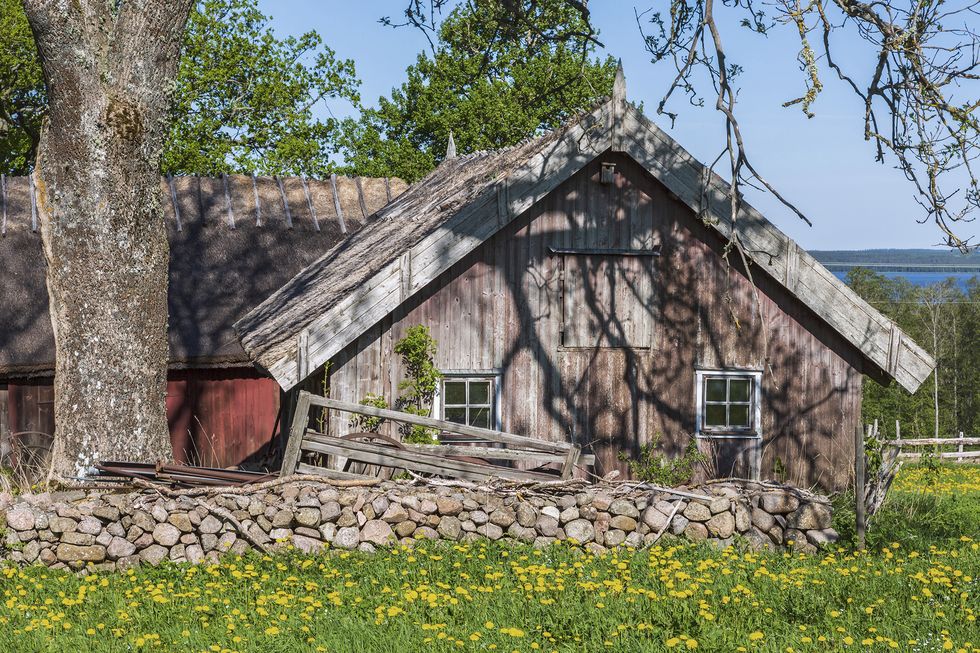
443, 459
958, 442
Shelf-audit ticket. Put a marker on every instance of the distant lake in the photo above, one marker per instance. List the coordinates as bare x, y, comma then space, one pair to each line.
921, 278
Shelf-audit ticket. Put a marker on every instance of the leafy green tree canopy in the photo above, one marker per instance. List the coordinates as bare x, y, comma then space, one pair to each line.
244, 101
488, 91
22, 98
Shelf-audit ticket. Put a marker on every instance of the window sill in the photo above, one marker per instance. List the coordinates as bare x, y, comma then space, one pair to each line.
729, 435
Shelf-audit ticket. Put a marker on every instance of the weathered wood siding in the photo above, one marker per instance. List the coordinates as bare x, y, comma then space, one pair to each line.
217, 417
501, 309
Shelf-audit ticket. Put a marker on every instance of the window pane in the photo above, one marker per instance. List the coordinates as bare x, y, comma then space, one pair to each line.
714, 415
715, 389
479, 392
455, 392
738, 415
457, 415
480, 417
738, 389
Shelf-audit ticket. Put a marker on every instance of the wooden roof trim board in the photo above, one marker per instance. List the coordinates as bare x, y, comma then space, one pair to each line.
616, 126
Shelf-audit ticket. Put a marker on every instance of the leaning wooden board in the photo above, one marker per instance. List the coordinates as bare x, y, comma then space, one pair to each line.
437, 459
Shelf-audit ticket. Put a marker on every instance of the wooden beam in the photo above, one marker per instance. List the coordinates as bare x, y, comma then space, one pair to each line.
495, 453
301, 417
376, 454
325, 472
442, 425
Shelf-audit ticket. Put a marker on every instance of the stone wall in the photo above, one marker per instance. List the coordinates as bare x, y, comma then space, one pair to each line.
117, 530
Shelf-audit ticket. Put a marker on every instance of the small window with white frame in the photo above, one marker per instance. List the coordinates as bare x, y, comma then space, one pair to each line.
469, 399
729, 403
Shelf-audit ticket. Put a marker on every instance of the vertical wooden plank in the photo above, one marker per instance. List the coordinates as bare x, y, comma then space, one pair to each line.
300, 420
859, 482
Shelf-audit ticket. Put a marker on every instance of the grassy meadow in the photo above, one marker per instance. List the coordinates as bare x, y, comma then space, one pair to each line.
915, 589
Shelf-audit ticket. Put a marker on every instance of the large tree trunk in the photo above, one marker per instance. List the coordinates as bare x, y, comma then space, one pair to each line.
109, 69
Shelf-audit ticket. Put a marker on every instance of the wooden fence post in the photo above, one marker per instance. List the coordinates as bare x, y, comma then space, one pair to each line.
301, 417
859, 481
959, 458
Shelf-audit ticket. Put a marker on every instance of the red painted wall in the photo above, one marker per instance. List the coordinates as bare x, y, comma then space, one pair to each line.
218, 418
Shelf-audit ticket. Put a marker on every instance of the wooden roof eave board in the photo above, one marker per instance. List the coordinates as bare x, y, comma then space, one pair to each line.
874, 335
327, 334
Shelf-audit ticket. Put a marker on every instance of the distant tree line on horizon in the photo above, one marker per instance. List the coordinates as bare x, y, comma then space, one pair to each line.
895, 256
944, 318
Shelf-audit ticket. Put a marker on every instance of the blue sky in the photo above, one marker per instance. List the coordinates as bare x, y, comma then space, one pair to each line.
822, 164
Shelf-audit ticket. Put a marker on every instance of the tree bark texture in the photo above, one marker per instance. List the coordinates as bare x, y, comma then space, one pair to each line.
109, 69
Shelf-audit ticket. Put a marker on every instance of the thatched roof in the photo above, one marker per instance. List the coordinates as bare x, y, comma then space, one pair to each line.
233, 242
440, 219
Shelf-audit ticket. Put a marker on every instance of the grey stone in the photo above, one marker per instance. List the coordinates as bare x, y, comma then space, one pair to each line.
115, 528
347, 518
526, 515
377, 532
521, 533
182, 521
569, 514
425, 533
330, 511
306, 531
634, 540
31, 550
62, 524
79, 539
154, 554
283, 519
581, 530
614, 537
427, 506
810, 516
697, 512
166, 534
366, 547
547, 525
449, 528
490, 531
308, 517
502, 517
75, 553
468, 526
210, 524
822, 537
159, 513
177, 553
601, 502
143, 520
595, 549
719, 504
654, 519
624, 508
623, 523
21, 519
696, 531
758, 541
721, 525
225, 542
209, 541
779, 503
551, 511
328, 531
405, 528
347, 537
380, 505
678, 524
106, 513
762, 520
194, 554
743, 519
280, 534
394, 513
120, 548
47, 557
448, 506
479, 517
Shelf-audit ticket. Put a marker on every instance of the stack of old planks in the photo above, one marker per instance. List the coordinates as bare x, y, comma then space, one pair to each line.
487, 453
177, 475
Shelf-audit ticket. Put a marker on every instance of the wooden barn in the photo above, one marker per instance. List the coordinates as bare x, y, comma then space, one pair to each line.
233, 240
579, 291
